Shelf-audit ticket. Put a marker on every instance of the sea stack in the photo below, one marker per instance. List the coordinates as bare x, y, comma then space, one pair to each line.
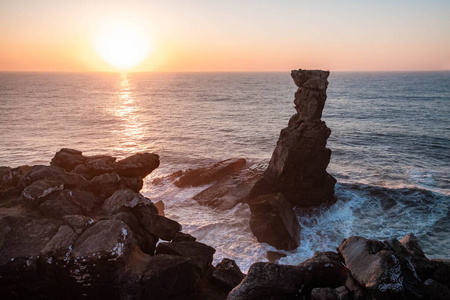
298, 165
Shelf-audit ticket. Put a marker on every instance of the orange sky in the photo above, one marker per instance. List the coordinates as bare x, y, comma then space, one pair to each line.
231, 35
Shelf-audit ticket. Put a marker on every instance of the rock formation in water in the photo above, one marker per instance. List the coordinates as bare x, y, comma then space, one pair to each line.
362, 269
80, 229
298, 164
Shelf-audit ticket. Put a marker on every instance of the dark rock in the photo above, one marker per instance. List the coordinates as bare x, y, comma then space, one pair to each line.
140, 164
269, 281
200, 254
298, 164
85, 199
411, 243
122, 199
169, 277
9, 177
230, 190
209, 174
340, 293
437, 291
34, 194
39, 172
60, 205
227, 274
68, 159
9, 197
162, 227
273, 221
390, 276
274, 257
105, 185
78, 223
183, 237
60, 244
133, 183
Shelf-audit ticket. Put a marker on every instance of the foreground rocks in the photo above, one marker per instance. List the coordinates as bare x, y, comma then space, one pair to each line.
361, 269
80, 229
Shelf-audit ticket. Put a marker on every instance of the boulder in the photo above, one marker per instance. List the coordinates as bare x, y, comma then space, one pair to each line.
162, 227
105, 185
133, 183
60, 205
209, 174
78, 223
340, 293
85, 199
200, 254
39, 172
9, 177
273, 221
34, 194
227, 274
137, 165
120, 200
183, 237
298, 164
68, 159
60, 244
384, 272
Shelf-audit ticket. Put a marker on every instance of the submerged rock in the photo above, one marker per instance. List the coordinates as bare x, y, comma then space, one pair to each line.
298, 164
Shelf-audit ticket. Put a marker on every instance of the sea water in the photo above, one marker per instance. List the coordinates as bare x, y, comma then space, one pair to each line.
390, 145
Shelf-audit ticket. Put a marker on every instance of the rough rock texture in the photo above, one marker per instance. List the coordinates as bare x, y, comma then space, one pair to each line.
274, 222
362, 269
298, 164
80, 229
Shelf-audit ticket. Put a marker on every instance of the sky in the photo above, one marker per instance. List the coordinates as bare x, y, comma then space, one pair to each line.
200, 35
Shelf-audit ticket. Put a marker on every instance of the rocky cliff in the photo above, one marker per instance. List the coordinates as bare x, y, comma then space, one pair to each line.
298, 165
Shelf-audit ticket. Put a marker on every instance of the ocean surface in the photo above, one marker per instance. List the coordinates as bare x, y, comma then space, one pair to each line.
390, 145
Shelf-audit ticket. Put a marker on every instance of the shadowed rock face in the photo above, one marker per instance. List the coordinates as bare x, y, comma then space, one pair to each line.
298, 164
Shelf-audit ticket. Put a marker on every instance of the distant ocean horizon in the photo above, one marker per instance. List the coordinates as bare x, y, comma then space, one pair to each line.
390, 144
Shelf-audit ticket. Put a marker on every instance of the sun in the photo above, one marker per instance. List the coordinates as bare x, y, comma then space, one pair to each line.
122, 43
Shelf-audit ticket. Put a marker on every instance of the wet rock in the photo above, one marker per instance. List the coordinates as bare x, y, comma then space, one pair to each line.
227, 274
390, 274
60, 205
140, 164
183, 237
105, 185
274, 257
68, 159
229, 190
298, 164
340, 293
78, 223
274, 222
162, 227
34, 194
133, 183
200, 254
269, 281
169, 277
210, 174
411, 244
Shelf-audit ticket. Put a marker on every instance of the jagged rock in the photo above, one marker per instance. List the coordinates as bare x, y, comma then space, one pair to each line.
437, 291
39, 172
298, 164
61, 242
183, 237
105, 185
274, 222
227, 274
169, 277
140, 164
133, 183
411, 243
229, 191
162, 227
200, 254
68, 159
9, 177
390, 275
57, 206
269, 281
34, 194
78, 223
274, 257
340, 293
209, 174
120, 200
85, 199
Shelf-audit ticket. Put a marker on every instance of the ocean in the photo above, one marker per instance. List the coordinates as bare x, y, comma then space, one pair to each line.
390, 145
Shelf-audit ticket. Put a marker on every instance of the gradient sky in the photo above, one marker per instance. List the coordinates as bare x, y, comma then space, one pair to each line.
50, 35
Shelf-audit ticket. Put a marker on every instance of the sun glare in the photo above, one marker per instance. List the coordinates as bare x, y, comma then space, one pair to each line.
123, 44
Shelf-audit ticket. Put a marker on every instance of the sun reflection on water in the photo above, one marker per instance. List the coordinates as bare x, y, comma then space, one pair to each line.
129, 136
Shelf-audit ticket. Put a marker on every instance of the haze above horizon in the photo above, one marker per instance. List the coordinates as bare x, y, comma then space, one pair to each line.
206, 36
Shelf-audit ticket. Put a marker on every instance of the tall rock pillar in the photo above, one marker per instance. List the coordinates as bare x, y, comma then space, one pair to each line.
298, 165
